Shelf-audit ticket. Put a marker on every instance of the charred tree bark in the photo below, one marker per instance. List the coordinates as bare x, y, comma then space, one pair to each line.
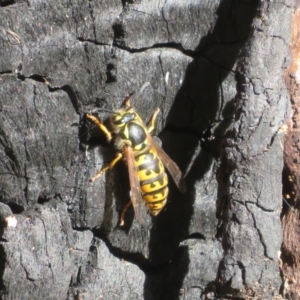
291, 176
216, 70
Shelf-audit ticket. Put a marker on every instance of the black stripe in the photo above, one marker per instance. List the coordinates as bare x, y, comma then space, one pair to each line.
146, 153
160, 191
158, 178
150, 165
149, 158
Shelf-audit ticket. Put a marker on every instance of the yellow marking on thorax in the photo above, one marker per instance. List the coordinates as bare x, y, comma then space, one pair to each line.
126, 132
138, 148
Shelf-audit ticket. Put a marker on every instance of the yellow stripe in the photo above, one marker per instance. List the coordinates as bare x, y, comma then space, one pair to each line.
156, 196
156, 208
147, 174
126, 132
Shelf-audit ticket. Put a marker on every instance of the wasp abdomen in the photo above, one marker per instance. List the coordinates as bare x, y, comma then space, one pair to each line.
153, 181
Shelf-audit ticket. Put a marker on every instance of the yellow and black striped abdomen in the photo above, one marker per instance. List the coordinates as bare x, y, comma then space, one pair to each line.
153, 180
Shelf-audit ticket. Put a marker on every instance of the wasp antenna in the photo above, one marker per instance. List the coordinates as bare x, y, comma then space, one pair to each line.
107, 110
126, 102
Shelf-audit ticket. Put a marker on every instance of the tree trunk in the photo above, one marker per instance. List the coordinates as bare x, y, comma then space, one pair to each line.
216, 70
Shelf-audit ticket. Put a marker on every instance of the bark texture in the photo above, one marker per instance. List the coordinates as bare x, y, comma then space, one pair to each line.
216, 70
291, 176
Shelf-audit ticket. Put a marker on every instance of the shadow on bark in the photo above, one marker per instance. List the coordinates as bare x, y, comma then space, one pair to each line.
202, 90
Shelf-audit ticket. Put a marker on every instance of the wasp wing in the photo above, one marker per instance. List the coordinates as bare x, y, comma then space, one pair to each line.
170, 165
136, 195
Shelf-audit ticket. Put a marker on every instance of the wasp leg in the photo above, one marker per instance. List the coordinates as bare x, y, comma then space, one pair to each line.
123, 213
152, 120
117, 158
100, 125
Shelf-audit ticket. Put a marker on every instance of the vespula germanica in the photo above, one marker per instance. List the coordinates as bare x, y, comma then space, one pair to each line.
144, 158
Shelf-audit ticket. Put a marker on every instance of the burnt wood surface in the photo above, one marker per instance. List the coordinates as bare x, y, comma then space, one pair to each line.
216, 71
290, 256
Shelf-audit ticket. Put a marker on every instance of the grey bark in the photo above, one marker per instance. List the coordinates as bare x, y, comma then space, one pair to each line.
216, 70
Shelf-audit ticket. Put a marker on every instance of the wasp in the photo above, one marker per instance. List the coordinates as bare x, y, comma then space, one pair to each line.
144, 158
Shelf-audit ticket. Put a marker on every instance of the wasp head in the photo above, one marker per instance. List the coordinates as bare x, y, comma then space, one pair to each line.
123, 116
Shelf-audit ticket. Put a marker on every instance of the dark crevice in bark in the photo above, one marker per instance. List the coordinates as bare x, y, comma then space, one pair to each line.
258, 206
15, 208
118, 43
82, 229
66, 88
195, 235
111, 73
243, 269
168, 45
42, 199
3, 263
5, 3
127, 2
95, 42
6, 72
